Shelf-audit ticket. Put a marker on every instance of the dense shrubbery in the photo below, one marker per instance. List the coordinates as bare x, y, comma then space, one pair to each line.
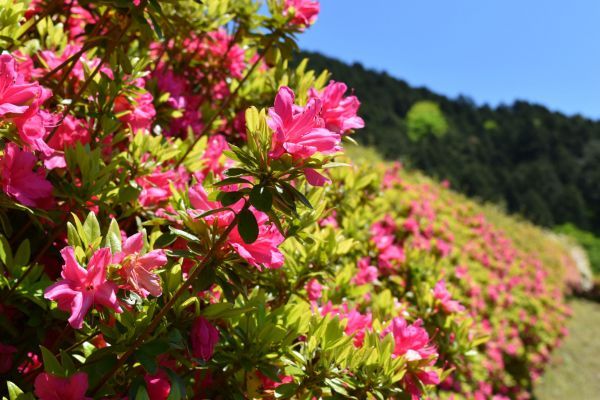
178, 221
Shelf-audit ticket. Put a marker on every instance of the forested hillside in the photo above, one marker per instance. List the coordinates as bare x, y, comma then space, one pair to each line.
542, 164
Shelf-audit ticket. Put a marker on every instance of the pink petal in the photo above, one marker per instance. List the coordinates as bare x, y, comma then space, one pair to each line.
314, 178
133, 244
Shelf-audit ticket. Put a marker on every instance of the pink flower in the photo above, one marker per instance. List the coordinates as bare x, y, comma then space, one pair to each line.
314, 289
158, 385
19, 180
314, 178
338, 112
219, 44
366, 273
305, 11
264, 251
49, 387
16, 96
70, 132
82, 288
204, 338
441, 293
156, 187
138, 114
391, 257
298, 130
443, 247
6, 357
412, 341
136, 268
357, 325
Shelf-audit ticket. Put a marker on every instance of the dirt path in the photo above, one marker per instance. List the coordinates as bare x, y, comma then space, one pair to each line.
574, 372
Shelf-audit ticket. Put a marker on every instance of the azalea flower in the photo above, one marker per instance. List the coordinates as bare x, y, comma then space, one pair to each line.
338, 112
264, 251
156, 186
50, 387
138, 114
314, 289
158, 385
441, 293
298, 130
19, 180
204, 338
411, 341
17, 97
305, 11
81, 288
136, 268
366, 273
70, 132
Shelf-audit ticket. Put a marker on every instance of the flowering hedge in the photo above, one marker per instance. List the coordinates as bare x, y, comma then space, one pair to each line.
178, 221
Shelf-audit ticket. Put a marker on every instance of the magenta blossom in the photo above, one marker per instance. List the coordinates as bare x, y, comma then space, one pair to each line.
156, 187
204, 338
366, 273
139, 113
264, 251
158, 385
441, 293
314, 289
16, 96
20, 181
298, 130
82, 288
305, 12
50, 387
338, 112
412, 341
70, 132
136, 268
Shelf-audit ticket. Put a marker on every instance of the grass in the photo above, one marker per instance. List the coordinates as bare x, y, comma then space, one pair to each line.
574, 371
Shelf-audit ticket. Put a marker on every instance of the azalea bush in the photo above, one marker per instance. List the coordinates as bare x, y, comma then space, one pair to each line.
178, 220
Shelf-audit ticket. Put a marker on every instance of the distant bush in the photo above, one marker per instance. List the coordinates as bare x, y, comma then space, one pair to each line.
587, 240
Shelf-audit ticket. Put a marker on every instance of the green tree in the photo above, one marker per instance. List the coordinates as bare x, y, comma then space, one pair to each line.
425, 118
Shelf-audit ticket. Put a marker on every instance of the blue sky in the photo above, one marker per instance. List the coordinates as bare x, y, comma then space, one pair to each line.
494, 51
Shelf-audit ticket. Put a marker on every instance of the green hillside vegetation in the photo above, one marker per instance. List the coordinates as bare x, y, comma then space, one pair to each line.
530, 160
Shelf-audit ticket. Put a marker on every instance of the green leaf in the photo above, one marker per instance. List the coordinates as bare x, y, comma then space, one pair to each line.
261, 198
51, 364
113, 237
296, 194
215, 311
286, 390
5, 252
247, 226
73, 236
231, 181
236, 172
13, 391
147, 360
229, 198
184, 234
164, 240
91, 228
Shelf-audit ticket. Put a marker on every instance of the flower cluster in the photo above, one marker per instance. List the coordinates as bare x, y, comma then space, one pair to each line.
177, 221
